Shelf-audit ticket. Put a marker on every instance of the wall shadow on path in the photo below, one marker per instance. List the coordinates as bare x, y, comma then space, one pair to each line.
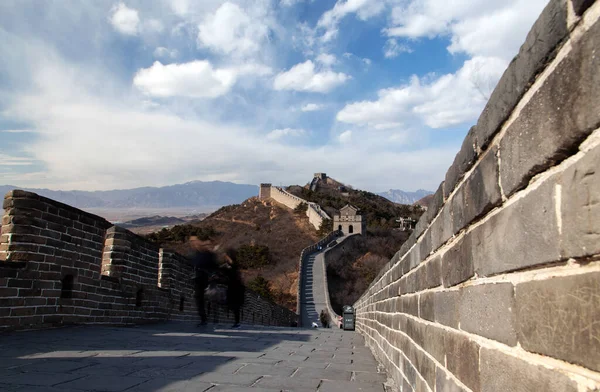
172, 356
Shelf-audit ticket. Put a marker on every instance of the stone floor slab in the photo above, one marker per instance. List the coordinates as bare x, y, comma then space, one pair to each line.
104, 383
40, 379
350, 386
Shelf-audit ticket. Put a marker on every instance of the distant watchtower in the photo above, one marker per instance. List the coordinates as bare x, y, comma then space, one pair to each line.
321, 176
264, 191
348, 221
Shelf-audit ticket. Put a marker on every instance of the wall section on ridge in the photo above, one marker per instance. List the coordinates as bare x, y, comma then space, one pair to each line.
314, 212
60, 265
498, 287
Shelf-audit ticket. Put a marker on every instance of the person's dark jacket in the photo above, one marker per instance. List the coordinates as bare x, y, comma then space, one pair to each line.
235, 287
205, 264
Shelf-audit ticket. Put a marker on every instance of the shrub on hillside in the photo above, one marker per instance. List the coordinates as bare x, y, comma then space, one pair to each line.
181, 233
301, 209
261, 286
253, 256
325, 228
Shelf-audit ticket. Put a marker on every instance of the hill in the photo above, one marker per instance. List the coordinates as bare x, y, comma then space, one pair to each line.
267, 237
378, 211
350, 272
403, 197
211, 194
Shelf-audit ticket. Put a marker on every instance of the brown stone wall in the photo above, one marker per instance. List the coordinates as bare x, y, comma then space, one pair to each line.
60, 265
498, 288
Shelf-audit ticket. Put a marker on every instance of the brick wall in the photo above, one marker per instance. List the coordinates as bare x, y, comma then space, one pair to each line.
498, 288
60, 265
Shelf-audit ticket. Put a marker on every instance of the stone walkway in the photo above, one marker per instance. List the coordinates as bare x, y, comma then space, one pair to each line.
181, 357
313, 293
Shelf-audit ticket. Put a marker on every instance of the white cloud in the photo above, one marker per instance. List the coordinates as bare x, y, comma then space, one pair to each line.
277, 134
345, 137
162, 52
448, 100
231, 30
17, 130
303, 77
289, 3
10, 160
311, 107
197, 79
124, 20
326, 59
154, 25
364, 9
392, 48
475, 27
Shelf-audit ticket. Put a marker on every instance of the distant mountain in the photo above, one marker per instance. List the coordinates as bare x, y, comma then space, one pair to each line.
402, 197
190, 194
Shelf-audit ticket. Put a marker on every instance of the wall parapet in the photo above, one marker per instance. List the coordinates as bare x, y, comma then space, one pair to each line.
497, 287
60, 265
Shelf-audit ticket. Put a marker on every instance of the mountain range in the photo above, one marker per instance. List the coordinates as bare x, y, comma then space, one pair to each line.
402, 197
190, 194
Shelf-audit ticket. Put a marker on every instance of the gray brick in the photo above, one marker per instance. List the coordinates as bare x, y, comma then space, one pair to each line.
539, 47
481, 189
443, 383
528, 234
410, 304
424, 246
487, 310
462, 355
434, 342
426, 309
501, 372
445, 307
442, 229
457, 262
580, 207
426, 368
436, 203
558, 317
561, 114
463, 161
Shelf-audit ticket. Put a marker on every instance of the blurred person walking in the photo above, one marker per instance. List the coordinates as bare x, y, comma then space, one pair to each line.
205, 265
235, 287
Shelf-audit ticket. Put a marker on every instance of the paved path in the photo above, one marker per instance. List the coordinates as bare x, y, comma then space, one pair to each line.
314, 290
181, 357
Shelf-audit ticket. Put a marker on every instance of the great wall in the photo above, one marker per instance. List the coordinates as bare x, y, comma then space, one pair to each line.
497, 289
314, 212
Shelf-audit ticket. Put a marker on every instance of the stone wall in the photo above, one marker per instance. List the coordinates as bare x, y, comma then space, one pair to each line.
314, 212
498, 287
60, 265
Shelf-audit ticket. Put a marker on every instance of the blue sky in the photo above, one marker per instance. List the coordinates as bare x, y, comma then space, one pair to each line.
377, 93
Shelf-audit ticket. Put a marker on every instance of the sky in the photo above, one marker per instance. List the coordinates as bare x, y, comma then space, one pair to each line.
378, 94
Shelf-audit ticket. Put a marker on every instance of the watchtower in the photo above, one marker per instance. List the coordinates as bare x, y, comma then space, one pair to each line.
348, 221
264, 191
